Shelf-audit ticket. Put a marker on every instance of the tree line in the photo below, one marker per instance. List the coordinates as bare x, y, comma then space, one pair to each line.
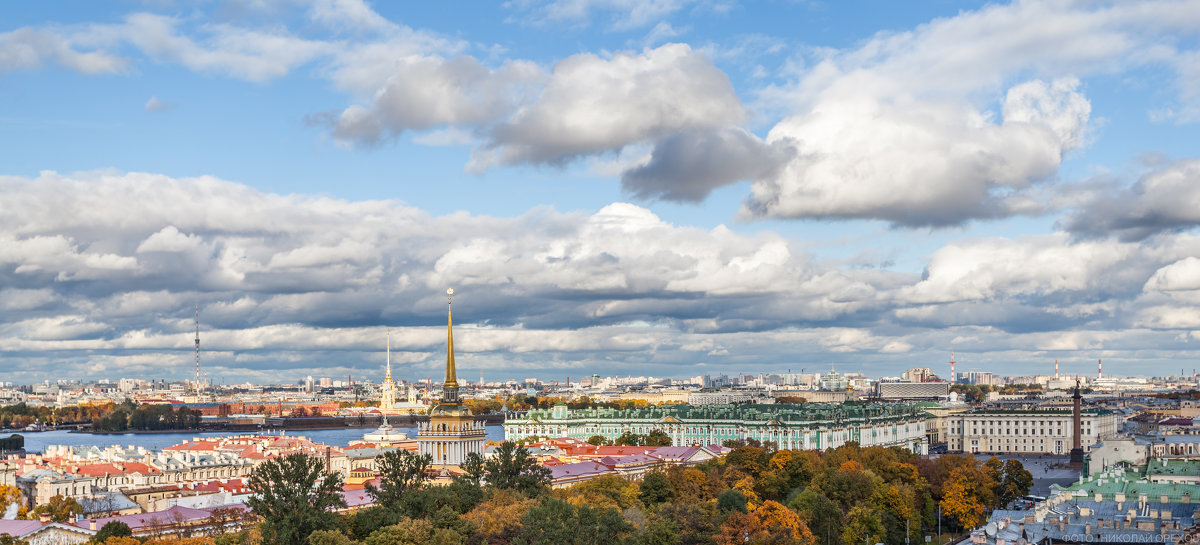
755, 494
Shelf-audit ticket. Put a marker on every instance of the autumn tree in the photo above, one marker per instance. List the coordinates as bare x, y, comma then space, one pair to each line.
295, 496
60, 508
555, 522
11, 495
863, 525
607, 491
498, 519
782, 522
966, 496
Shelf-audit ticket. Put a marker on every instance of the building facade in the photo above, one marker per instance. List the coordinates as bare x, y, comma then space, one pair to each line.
451, 432
1019, 431
809, 426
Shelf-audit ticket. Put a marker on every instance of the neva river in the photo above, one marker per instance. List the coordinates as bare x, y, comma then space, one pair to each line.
341, 437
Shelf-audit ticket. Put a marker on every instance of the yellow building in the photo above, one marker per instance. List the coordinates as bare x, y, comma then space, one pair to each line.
452, 431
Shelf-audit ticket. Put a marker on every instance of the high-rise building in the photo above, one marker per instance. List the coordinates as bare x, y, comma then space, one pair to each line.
451, 432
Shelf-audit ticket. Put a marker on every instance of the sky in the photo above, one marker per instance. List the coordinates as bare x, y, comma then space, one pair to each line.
622, 187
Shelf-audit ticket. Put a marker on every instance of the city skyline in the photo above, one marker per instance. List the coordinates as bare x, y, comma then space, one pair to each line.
668, 189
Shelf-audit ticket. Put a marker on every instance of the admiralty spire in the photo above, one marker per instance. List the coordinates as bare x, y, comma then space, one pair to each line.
451, 432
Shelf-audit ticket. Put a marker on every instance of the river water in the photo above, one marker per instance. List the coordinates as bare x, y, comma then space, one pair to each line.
341, 437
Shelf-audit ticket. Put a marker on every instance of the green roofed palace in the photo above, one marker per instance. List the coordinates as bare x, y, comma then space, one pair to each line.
809, 426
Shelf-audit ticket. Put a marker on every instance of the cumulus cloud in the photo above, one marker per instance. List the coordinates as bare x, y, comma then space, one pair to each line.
427, 92
920, 163
594, 104
687, 166
100, 265
1163, 200
1179, 276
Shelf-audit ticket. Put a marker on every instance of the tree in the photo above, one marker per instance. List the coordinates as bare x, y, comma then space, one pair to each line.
10, 495
655, 489
1015, 481
604, 492
405, 532
966, 496
731, 500
629, 439
558, 522
512, 468
696, 522
863, 525
657, 438
329, 537
498, 519
115, 528
822, 515
474, 468
60, 508
781, 522
294, 496
599, 440
399, 471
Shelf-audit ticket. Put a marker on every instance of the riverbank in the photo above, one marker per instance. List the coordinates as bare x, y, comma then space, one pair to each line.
340, 437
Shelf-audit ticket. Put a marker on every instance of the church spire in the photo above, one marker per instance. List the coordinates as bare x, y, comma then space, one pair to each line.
451, 383
388, 376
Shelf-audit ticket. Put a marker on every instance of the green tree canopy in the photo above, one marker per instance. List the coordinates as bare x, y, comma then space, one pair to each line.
114, 528
399, 471
513, 468
295, 496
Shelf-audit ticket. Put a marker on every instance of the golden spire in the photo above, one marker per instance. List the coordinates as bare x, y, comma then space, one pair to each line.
451, 381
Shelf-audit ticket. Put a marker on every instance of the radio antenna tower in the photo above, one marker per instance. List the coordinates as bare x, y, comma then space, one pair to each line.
198, 387
952, 362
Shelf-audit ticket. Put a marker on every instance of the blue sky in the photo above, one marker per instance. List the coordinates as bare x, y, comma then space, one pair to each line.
672, 188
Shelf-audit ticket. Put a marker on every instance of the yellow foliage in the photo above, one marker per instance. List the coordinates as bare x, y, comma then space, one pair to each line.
773, 515
746, 487
500, 513
122, 540
851, 465
780, 460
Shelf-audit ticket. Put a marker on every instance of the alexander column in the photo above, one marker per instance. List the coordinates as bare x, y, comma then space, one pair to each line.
1077, 424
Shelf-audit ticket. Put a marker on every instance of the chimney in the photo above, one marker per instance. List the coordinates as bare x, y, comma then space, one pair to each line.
92, 525
1163, 499
44, 517
1186, 499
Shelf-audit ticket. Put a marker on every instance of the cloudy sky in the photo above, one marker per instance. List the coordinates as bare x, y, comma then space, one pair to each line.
667, 187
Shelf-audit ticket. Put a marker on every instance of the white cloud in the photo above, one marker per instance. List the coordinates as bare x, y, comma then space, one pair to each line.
28, 47
621, 14
593, 105
239, 52
1162, 200
427, 92
917, 163
156, 105
1178, 276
